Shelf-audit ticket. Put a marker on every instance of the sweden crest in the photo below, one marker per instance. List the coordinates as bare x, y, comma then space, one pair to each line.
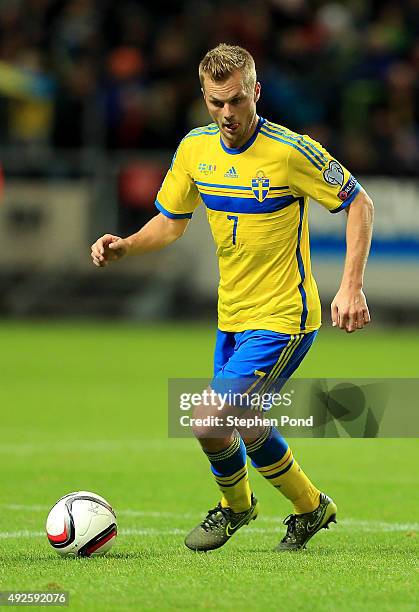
260, 186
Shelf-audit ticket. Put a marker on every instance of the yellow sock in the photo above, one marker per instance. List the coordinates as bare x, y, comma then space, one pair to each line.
229, 468
236, 490
287, 476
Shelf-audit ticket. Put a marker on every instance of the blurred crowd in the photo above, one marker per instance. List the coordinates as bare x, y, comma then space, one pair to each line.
123, 75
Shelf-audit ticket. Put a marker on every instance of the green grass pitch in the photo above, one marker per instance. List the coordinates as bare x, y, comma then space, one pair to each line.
84, 407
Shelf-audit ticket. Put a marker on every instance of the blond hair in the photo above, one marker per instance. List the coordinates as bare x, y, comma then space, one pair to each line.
222, 61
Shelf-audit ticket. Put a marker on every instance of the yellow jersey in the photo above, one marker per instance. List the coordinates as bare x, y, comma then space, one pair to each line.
256, 198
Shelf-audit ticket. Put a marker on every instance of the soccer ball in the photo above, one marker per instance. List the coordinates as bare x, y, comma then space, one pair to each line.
81, 524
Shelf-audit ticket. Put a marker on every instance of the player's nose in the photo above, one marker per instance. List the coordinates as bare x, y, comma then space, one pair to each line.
228, 112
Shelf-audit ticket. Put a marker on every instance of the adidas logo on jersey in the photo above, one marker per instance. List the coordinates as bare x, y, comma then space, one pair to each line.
232, 173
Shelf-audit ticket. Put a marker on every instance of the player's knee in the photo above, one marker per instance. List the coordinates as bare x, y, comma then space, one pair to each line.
251, 434
208, 424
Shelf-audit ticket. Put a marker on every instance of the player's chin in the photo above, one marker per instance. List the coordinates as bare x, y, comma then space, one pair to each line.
233, 135
229, 136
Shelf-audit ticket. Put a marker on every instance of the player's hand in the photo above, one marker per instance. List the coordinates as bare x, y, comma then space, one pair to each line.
108, 248
349, 310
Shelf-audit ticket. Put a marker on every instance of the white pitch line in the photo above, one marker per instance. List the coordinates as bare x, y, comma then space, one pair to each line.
127, 512
21, 534
346, 523
366, 525
181, 532
136, 446
27, 507
123, 532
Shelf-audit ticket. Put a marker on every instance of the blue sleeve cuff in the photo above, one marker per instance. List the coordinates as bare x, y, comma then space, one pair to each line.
171, 215
349, 199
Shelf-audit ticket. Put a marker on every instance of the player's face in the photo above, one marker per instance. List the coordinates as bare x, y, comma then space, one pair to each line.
232, 107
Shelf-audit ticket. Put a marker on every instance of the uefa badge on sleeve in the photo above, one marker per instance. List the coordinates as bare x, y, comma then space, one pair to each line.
333, 173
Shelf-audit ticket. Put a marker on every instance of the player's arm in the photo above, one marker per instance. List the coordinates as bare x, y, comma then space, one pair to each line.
159, 232
313, 171
349, 308
176, 200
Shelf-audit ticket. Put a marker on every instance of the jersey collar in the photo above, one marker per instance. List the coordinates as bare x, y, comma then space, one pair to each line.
232, 151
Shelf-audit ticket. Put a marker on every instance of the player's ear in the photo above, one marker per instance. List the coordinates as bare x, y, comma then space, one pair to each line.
257, 91
203, 86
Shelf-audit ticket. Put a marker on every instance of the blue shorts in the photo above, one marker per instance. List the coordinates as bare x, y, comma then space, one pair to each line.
259, 357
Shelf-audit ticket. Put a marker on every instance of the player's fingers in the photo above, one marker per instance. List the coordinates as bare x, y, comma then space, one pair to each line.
351, 323
116, 244
99, 246
354, 320
96, 256
109, 239
343, 319
94, 250
366, 315
359, 320
334, 313
98, 249
98, 260
103, 243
